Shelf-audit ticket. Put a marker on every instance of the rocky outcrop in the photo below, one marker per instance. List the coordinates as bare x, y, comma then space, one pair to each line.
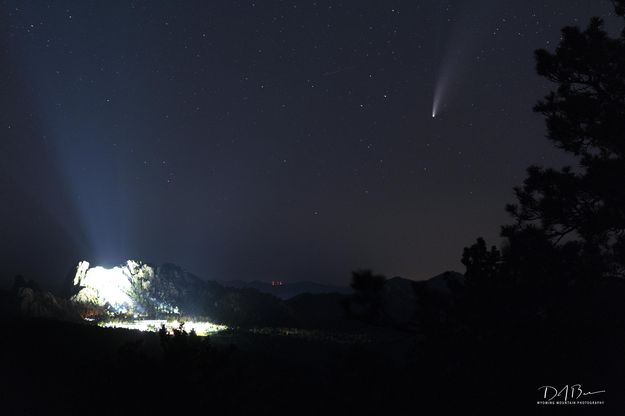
140, 290
132, 289
41, 304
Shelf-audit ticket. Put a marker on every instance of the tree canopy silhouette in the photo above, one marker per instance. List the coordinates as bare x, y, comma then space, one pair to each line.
581, 208
555, 285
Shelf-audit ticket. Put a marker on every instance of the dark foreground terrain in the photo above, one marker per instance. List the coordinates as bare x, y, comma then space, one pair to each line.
53, 367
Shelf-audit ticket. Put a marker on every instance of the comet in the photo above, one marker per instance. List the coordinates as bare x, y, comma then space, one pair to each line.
436, 104
440, 91
460, 46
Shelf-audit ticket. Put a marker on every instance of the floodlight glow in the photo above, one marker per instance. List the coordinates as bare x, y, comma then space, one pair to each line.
121, 290
111, 286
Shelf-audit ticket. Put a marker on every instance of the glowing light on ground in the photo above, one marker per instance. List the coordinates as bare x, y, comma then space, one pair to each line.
201, 328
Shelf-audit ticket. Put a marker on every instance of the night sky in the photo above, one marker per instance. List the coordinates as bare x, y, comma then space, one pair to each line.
270, 139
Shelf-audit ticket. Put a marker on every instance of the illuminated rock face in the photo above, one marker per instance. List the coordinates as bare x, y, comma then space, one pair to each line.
129, 289
136, 291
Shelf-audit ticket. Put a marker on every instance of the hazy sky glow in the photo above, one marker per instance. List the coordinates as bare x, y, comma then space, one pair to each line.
268, 140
